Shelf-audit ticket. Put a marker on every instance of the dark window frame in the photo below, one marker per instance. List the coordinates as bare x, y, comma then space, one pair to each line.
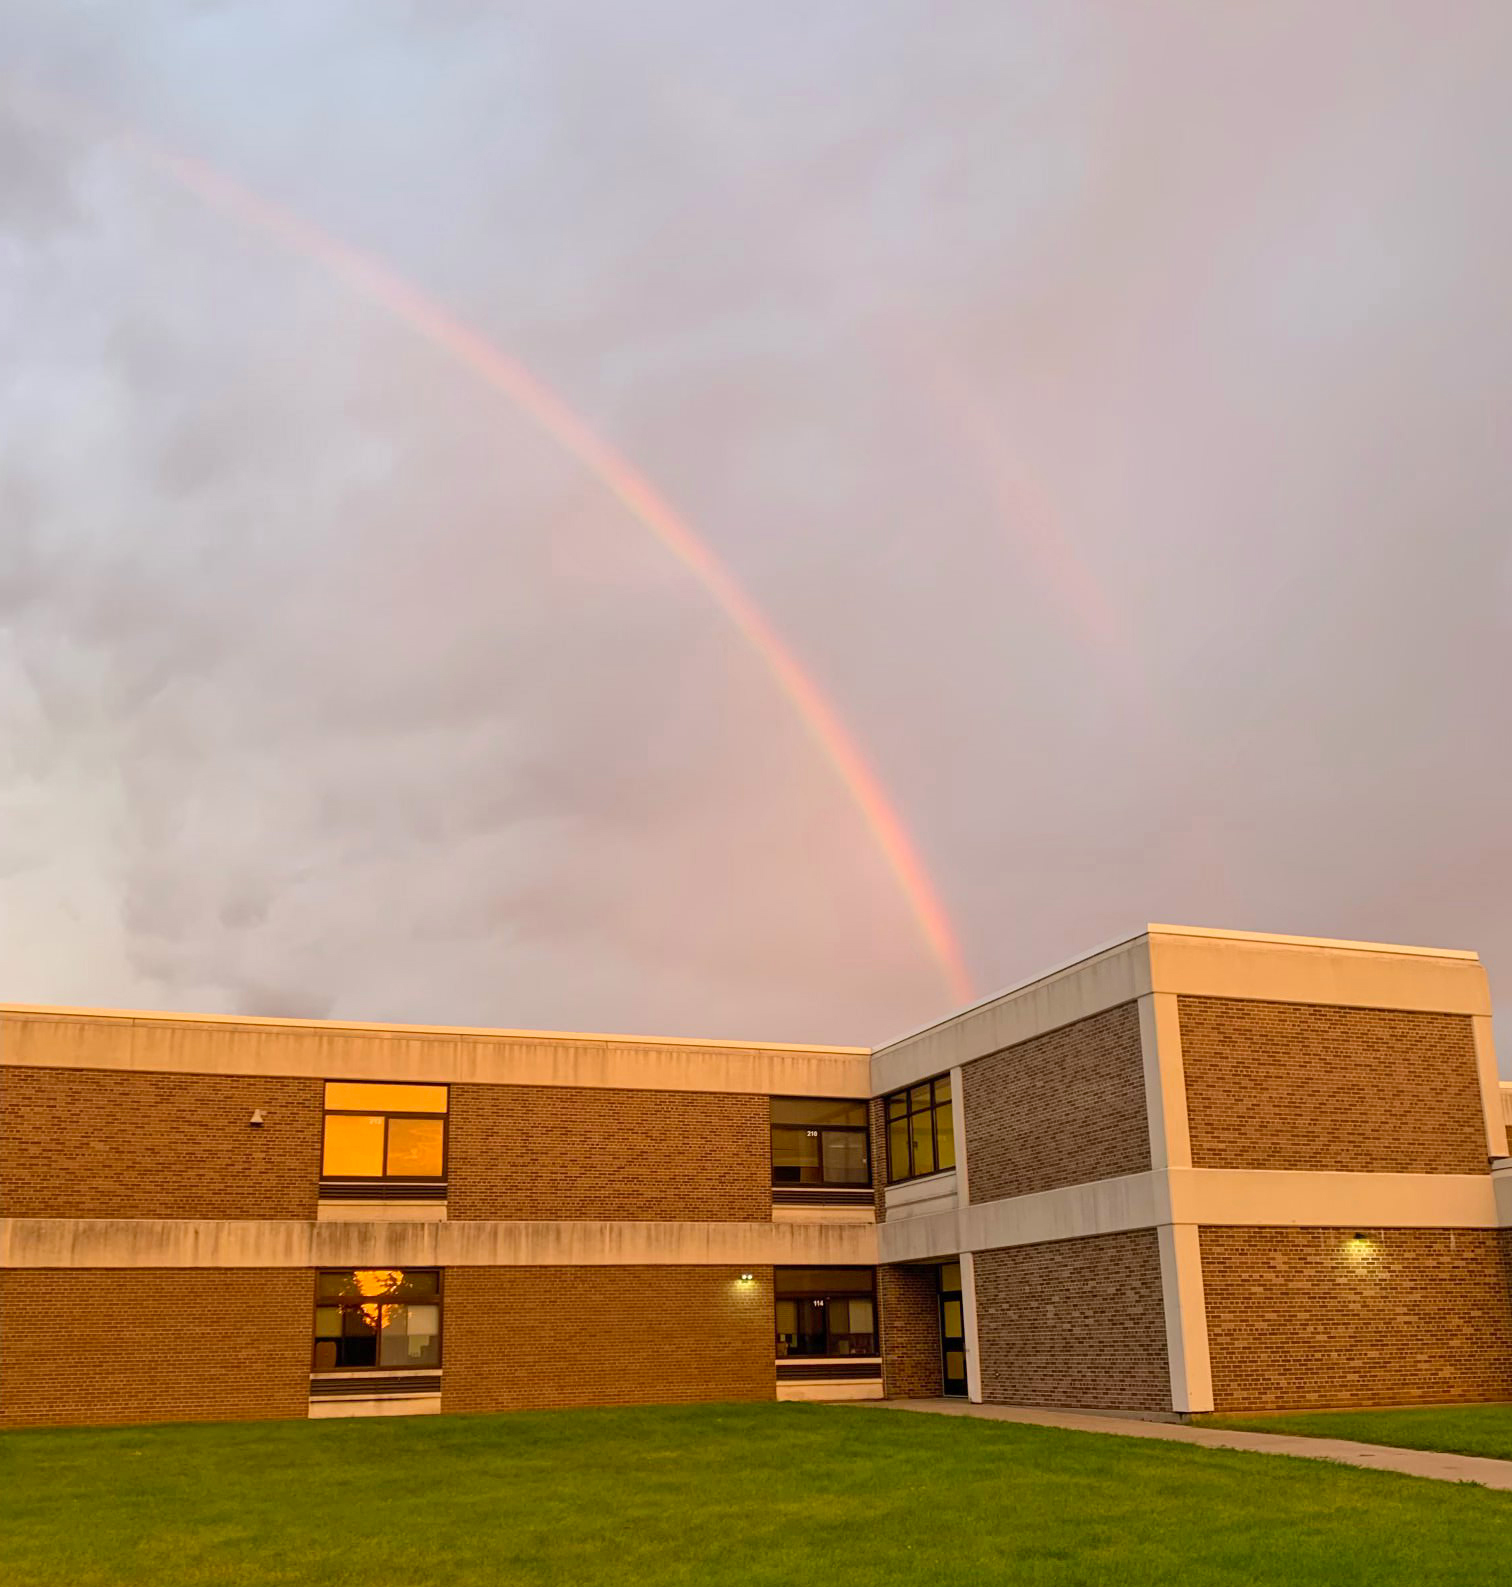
827, 1297
386, 1114
344, 1303
823, 1181
909, 1113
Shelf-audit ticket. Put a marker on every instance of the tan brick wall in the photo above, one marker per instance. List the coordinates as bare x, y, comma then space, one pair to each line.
560, 1152
103, 1346
1302, 1317
1059, 1109
1290, 1085
1074, 1322
105, 1143
522, 1338
909, 1302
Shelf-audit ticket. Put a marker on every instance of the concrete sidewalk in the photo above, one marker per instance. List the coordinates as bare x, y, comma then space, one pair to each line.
1380, 1457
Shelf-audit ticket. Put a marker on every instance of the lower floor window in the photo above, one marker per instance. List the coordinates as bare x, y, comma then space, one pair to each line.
826, 1311
377, 1317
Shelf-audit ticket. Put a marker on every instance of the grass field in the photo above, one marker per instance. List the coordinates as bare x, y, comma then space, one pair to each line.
1459, 1429
713, 1495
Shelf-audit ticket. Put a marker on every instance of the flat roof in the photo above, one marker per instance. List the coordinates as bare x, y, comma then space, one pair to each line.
375, 1027
1163, 930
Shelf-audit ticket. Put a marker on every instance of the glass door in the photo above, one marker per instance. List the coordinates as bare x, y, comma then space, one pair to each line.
952, 1332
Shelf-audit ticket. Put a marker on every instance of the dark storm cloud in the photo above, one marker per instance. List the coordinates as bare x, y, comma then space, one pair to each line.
1108, 403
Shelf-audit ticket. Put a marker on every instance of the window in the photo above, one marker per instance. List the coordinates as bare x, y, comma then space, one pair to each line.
815, 1142
826, 1311
384, 1131
920, 1130
377, 1318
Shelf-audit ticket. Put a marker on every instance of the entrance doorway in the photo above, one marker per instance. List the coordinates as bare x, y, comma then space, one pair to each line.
952, 1332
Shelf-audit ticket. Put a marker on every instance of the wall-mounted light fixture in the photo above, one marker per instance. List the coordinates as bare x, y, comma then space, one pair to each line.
256, 1121
747, 1278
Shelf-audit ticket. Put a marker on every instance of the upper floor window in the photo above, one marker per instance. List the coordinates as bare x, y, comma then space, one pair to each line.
819, 1142
377, 1317
920, 1130
384, 1131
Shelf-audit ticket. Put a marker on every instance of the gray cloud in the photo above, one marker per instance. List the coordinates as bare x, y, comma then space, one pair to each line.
1108, 405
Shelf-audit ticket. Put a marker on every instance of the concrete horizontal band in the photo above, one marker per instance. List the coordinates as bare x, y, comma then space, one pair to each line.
1116, 975
1234, 964
47, 1039
211, 1243
1192, 962
1198, 1196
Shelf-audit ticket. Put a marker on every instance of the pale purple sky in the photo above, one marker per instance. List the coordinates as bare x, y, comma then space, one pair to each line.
1109, 404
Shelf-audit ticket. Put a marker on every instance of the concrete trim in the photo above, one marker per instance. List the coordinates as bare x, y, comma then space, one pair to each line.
1196, 961
785, 1214
1278, 1197
380, 1211
327, 1027
1185, 1318
386, 1405
1490, 1084
1119, 974
1201, 963
958, 1134
1258, 1198
915, 1198
1501, 1182
973, 1336
1133, 1201
1224, 934
276, 1243
1165, 1081
838, 1389
48, 1039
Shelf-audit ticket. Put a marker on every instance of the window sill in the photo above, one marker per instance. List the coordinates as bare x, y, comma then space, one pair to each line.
920, 1179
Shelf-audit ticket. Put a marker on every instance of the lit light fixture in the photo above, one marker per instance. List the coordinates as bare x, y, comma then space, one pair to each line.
747, 1278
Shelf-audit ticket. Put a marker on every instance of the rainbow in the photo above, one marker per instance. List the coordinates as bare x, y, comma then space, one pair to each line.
468, 347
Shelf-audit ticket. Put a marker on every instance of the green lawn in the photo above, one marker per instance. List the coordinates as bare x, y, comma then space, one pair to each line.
758, 1494
1459, 1429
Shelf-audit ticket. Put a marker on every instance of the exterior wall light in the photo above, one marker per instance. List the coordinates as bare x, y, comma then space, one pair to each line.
256, 1121
747, 1278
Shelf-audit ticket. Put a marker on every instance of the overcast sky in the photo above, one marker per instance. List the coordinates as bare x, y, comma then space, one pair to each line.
1108, 404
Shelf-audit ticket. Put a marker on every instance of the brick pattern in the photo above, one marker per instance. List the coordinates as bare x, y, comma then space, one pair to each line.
105, 1143
1302, 1086
574, 1153
1060, 1109
1308, 1317
878, 1120
908, 1301
531, 1338
101, 1347
1074, 1322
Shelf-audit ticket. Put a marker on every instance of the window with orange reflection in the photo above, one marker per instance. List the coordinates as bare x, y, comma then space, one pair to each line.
389, 1131
377, 1319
